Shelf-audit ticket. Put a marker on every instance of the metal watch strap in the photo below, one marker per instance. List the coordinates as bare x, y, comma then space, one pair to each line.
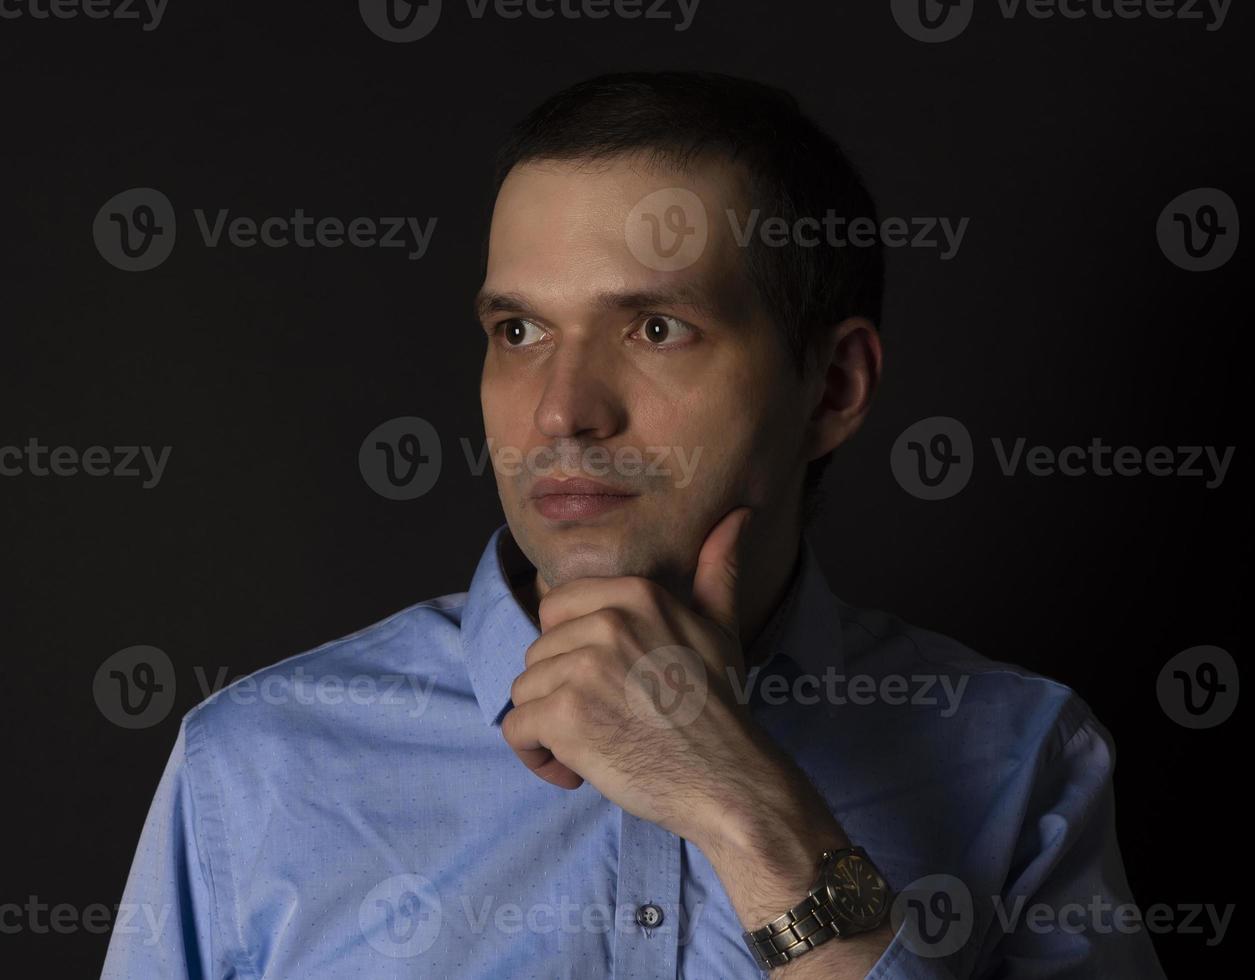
798, 930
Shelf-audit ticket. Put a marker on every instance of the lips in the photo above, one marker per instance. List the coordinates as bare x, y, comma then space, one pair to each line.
578, 500
577, 486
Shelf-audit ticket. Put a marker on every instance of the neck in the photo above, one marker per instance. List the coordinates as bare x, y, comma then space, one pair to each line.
762, 595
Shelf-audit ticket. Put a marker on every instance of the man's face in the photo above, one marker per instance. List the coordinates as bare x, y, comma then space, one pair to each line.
607, 361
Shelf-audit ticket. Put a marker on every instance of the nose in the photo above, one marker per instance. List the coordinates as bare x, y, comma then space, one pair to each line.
580, 397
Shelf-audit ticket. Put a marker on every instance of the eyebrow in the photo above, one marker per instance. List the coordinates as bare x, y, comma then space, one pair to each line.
488, 302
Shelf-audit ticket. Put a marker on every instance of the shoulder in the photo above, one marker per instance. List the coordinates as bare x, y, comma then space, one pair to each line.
383, 664
997, 697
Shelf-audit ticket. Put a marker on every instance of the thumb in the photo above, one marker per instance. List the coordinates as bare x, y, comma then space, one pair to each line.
718, 569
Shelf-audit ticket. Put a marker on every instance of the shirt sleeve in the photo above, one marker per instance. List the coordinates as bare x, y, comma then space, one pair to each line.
165, 927
1065, 911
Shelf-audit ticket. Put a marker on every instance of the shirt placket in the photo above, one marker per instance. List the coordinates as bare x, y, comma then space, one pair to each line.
647, 904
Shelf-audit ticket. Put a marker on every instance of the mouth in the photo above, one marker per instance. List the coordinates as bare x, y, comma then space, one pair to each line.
577, 498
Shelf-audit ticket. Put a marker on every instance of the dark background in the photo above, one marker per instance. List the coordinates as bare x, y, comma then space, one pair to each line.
1060, 320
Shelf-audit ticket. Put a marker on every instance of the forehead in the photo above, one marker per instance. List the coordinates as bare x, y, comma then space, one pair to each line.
567, 231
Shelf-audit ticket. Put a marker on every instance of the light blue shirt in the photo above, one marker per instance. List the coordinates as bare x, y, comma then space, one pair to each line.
354, 811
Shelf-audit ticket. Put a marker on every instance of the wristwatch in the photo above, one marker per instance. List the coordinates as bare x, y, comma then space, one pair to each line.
849, 897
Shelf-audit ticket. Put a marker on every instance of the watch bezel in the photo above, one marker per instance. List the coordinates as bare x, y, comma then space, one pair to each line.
833, 890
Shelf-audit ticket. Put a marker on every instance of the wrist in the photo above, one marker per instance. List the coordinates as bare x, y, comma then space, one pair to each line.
765, 847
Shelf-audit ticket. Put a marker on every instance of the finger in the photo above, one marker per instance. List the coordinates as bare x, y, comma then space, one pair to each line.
718, 570
523, 727
610, 627
545, 676
581, 596
601, 626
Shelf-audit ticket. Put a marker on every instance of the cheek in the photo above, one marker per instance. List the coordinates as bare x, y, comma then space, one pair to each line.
747, 435
505, 404
713, 424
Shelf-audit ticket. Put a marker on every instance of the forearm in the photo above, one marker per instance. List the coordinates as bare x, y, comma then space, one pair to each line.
764, 842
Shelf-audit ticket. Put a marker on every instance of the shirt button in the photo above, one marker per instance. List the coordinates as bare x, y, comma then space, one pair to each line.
649, 916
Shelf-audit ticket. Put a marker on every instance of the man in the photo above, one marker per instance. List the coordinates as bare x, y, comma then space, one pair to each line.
648, 741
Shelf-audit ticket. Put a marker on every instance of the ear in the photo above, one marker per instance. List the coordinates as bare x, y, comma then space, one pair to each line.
846, 374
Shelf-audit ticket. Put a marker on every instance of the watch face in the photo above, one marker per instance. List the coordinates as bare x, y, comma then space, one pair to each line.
858, 893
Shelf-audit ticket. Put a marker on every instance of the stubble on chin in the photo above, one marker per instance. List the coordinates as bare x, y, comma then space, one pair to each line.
561, 557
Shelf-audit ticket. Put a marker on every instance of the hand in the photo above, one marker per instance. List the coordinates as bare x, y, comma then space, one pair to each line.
629, 688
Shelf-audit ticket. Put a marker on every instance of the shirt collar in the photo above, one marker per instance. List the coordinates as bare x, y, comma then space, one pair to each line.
496, 630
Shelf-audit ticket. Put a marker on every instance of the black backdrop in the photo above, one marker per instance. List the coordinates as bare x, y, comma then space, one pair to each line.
1061, 319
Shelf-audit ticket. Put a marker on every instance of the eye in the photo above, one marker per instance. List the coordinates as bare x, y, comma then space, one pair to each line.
515, 331
664, 331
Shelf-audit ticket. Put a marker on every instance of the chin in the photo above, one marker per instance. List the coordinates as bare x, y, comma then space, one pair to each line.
564, 561
597, 556
640, 545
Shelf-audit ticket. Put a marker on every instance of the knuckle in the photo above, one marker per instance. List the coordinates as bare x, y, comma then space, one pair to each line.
644, 591
586, 666
611, 621
568, 702
548, 602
